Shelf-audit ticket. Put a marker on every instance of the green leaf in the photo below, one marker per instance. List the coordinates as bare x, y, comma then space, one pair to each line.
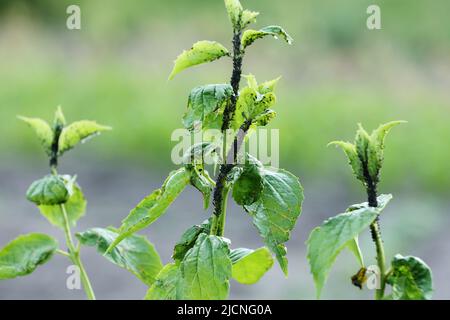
205, 270
165, 285
382, 200
24, 254
276, 212
197, 153
188, 240
362, 140
354, 161
235, 12
264, 118
254, 102
328, 240
49, 190
59, 119
194, 160
353, 246
42, 130
154, 205
201, 52
135, 253
376, 148
248, 17
367, 152
410, 278
248, 187
268, 86
250, 36
250, 265
201, 180
75, 206
77, 132
205, 106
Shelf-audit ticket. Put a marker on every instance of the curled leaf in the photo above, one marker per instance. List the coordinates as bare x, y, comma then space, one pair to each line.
205, 106
248, 17
410, 278
75, 206
50, 190
235, 12
250, 36
188, 240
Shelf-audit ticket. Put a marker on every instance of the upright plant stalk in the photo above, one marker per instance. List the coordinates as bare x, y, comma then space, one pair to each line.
74, 252
375, 231
220, 193
74, 255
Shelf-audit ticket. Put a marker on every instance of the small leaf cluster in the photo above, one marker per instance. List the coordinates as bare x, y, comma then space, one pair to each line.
366, 154
59, 137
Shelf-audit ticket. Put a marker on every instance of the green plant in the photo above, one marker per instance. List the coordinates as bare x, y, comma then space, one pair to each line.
409, 276
203, 262
59, 199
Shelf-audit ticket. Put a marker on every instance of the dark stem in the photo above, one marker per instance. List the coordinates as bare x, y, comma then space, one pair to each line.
375, 231
55, 147
234, 82
218, 201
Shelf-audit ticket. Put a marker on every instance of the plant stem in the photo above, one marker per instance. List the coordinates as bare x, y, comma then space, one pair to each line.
375, 231
74, 254
55, 147
218, 225
63, 253
376, 236
220, 190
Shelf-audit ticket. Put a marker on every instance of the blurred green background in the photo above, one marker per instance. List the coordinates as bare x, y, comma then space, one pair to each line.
336, 74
